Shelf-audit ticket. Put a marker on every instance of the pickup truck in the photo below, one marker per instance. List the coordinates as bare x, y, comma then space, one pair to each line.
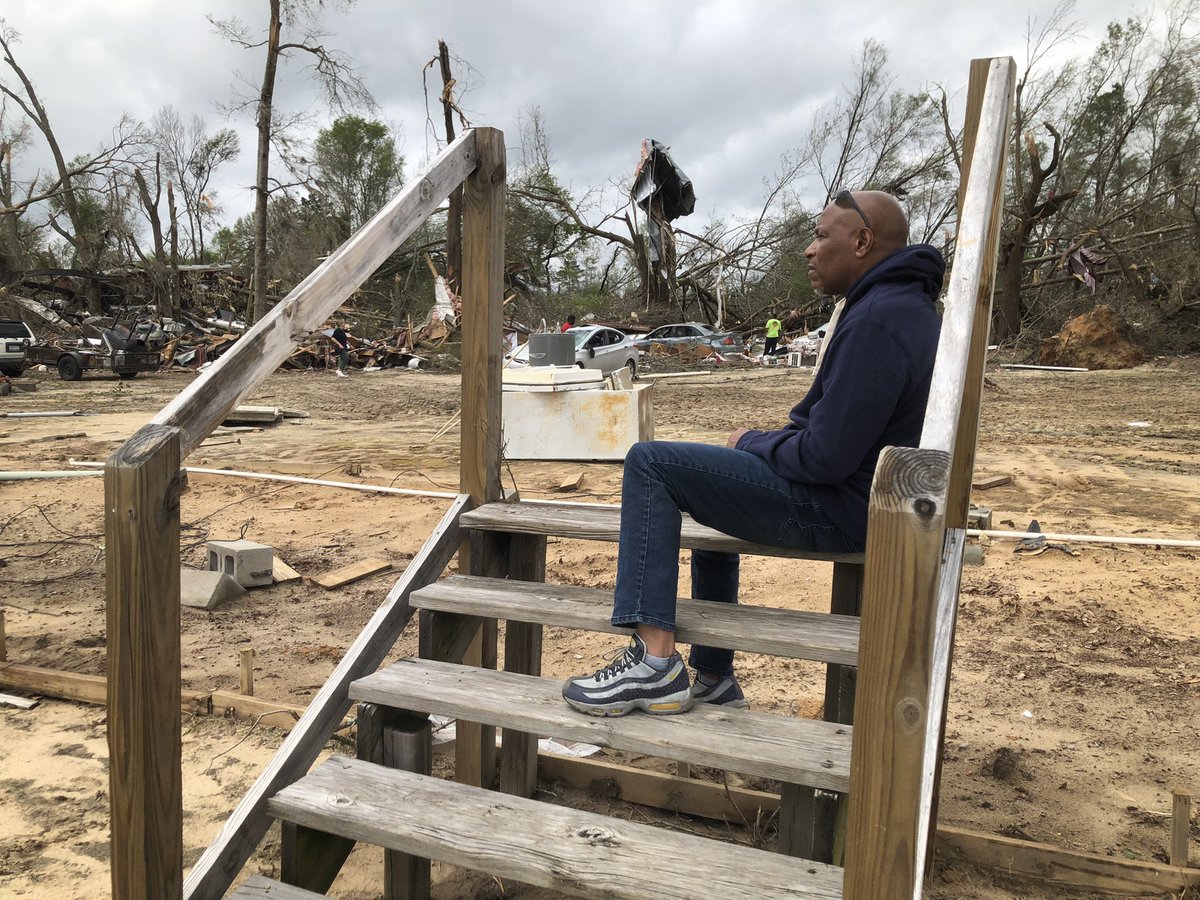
115, 348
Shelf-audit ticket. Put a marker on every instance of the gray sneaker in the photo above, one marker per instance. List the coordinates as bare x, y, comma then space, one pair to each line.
630, 683
726, 692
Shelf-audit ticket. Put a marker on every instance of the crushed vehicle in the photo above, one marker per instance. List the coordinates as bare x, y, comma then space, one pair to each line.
103, 344
15, 338
596, 347
692, 334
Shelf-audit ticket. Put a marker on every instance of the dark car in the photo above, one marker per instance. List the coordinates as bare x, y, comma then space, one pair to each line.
692, 334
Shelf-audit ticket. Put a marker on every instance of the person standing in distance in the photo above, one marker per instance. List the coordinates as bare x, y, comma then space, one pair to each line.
570, 323
774, 326
805, 486
342, 345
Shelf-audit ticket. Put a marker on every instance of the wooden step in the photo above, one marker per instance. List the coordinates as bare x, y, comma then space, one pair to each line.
798, 751
259, 887
603, 523
778, 632
574, 852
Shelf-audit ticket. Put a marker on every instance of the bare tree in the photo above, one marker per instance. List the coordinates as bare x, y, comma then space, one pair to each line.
1037, 94
72, 179
332, 71
190, 156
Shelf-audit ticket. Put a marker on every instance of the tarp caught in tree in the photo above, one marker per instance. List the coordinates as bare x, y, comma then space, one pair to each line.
660, 187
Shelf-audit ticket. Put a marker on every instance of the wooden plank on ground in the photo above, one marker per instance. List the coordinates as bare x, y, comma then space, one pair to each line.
803, 751
281, 572
351, 573
1055, 865
570, 483
78, 687
987, 482
599, 522
779, 632
570, 851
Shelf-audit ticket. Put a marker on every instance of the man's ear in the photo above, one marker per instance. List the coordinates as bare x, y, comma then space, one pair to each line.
864, 242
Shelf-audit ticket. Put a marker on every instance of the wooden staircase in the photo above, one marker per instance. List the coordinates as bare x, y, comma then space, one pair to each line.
573, 852
888, 673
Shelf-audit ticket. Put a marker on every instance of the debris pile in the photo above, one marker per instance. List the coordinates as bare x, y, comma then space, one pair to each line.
1099, 339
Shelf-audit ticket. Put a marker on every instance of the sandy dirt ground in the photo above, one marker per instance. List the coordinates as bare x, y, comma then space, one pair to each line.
1074, 705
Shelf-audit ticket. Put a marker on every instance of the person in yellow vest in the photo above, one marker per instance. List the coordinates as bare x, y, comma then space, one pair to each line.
774, 326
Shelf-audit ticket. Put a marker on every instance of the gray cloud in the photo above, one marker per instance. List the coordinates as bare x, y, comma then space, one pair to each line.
729, 85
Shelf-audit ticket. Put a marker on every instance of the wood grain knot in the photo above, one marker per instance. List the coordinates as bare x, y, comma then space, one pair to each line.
925, 508
911, 712
426, 190
339, 800
601, 837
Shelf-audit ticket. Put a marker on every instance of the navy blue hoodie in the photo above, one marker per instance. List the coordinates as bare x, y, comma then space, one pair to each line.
870, 391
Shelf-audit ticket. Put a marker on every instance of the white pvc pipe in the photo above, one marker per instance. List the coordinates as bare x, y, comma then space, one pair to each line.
30, 476
295, 479
1084, 538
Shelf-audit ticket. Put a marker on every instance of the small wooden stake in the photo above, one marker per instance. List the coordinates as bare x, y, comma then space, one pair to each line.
3, 649
1181, 823
247, 681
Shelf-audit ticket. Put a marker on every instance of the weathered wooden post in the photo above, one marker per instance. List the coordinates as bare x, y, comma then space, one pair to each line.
141, 531
919, 502
482, 304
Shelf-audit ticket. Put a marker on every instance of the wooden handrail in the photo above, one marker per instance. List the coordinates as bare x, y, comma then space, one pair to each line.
974, 261
201, 407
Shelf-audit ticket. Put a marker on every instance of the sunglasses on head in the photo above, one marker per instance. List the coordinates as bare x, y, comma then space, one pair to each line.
844, 196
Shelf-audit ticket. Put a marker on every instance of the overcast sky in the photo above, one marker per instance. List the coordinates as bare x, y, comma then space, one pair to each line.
730, 85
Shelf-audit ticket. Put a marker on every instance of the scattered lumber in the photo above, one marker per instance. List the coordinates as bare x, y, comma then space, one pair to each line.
253, 415
1042, 368
571, 483
74, 686
18, 702
987, 482
282, 573
352, 573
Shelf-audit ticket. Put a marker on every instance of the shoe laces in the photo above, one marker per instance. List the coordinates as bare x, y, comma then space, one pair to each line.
622, 659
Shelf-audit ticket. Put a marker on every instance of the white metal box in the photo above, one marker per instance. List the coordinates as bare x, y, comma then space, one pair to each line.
577, 424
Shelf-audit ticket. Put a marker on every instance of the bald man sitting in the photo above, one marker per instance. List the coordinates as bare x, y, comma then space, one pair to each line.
805, 486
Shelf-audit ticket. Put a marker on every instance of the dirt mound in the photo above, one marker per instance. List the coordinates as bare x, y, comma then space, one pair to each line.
1099, 339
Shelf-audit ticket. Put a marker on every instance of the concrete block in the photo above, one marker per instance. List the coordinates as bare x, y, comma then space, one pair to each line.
972, 555
979, 517
621, 380
207, 590
247, 563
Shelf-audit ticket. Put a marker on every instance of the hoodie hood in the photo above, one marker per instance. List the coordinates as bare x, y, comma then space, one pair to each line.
921, 264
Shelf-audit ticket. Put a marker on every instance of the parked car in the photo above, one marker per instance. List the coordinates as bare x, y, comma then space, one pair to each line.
692, 334
596, 347
15, 337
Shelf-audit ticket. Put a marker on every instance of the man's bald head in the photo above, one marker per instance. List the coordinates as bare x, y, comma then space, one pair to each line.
888, 220
852, 238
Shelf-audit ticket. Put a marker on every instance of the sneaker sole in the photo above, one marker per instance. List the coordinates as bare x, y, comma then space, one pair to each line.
662, 707
736, 704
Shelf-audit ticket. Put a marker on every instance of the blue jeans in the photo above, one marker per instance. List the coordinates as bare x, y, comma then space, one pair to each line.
730, 490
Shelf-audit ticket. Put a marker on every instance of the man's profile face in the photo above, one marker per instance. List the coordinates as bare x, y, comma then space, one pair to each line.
833, 261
